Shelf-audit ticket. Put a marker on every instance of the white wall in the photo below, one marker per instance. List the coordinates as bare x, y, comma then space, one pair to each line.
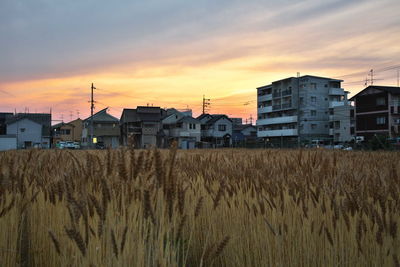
32, 132
8, 143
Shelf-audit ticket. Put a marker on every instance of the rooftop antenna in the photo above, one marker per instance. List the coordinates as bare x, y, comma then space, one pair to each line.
371, 73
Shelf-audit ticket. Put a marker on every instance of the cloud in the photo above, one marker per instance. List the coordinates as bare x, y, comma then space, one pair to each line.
173, 52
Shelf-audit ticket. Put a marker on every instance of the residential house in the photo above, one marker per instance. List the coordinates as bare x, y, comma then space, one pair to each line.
105, 130
377, 111
141, 127
30, 129
244, 133
216, 130
71, 131
182, 128
297, 110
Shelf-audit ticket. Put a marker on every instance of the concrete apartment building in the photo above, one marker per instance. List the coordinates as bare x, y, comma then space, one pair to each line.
377, 112
141, 127
299, 110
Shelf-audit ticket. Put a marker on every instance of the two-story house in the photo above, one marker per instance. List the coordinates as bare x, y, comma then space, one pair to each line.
377, 111
30, 129
71, 131
216, 130
105, 130
182, 128
141, 127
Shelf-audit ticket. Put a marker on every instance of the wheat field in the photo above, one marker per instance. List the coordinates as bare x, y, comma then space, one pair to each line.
199, 208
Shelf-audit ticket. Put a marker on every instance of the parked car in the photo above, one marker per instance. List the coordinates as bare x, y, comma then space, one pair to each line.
100, 145
60, 144
77, 145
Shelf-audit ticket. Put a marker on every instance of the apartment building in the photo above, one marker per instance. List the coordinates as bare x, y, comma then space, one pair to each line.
298, 110
377, 111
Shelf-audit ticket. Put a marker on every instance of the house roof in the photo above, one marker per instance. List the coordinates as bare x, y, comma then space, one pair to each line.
43, 119
102, 116
189, 119
390, 89
304, 76
216, 118
241, 127
202, 116
141, 113
61, 124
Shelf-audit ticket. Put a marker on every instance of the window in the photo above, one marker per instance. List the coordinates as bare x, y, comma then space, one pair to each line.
301, 100
313, 99
313, 113
222, 127
194, 126
381, 120
22, 130
313, 126
380, 101
313, 85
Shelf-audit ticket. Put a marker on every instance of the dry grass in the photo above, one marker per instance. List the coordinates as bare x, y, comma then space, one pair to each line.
199, 208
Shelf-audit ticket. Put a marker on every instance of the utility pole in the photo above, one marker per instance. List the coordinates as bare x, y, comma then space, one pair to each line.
206, 103
298, 110
91, 115
251, 119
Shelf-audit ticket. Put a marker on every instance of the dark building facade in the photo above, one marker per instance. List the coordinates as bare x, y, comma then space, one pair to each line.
141, 127
376, 111
4, 116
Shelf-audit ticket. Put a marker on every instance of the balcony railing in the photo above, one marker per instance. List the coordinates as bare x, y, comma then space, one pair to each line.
264, 98
276, 94
286, 92
286, 105
276, 133
276, 107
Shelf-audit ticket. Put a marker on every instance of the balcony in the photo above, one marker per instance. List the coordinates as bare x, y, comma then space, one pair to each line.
264, 98
286, 105
277, 133
276, 107
286, 92
276, 94
336, 91
277, 120
264, 109
333, 104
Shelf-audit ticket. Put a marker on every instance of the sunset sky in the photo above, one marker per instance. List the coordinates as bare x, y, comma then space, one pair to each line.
169, 53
